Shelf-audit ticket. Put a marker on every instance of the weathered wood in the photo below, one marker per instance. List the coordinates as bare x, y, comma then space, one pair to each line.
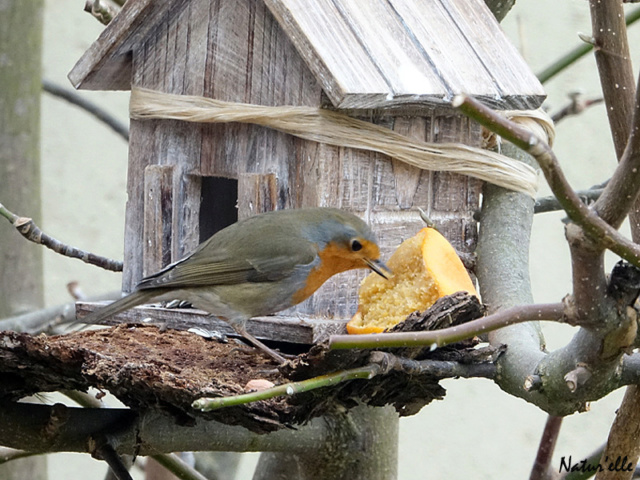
158, 208
294, 329
257, 194
107, 63
371, 54
240, 53
147, 367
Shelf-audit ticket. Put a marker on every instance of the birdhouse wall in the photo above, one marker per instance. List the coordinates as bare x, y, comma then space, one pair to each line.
235, 51
232, 51
386, 193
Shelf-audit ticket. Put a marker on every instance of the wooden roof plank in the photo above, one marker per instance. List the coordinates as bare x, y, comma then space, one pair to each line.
321, 37
106, 65
500, 57
463, 71
388, 44
365, 54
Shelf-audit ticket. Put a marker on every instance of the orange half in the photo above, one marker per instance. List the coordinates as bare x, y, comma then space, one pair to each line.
425, 267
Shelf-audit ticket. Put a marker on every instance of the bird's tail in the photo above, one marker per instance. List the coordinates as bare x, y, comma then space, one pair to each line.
125, 303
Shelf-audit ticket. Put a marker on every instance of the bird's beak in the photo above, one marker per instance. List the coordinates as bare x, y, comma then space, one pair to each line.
379, 267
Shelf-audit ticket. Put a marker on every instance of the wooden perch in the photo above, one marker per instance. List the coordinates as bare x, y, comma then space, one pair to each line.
146, 367
296, 330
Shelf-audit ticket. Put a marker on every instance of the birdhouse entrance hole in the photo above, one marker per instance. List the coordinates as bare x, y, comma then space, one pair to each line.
218, 205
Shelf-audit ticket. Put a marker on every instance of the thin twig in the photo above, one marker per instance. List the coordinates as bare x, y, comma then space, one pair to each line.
367, 372
47, 318
94, 109
446, 336
578, 52
117, 466
597, 229
178, 467
551, 203
576, 106
29, 230
545, 448
102, 10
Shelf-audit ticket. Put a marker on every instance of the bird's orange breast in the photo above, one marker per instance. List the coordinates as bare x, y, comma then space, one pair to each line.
334, 259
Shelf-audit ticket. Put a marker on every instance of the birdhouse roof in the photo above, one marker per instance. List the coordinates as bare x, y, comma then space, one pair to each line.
365, 54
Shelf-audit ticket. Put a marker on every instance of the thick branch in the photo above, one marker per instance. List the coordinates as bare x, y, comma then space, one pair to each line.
624, 435
621, 192
44, 428
503, 275
589, 281
614, 66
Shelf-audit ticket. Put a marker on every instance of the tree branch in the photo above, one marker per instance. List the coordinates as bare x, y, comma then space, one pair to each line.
435, 368
577, 53
614, 66
366, 372
597, 229
381, 363
29, 230
576, 106
178, 467
107, 453
447, 336
28, 427
551, 203
90, 107
545, 449
621, 192
624, 435
46, 318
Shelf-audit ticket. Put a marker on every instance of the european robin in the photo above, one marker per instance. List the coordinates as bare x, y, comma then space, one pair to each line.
260, 265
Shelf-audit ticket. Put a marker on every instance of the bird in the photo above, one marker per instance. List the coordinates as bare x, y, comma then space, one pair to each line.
260, 265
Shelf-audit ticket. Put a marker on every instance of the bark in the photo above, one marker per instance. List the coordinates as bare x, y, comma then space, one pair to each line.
361, 445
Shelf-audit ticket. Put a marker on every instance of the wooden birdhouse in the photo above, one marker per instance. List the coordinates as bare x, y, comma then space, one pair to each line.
392, 63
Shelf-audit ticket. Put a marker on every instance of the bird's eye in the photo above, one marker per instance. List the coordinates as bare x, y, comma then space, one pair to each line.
355, 245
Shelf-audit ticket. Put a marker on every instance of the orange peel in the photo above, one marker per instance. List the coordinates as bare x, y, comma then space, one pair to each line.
425, 268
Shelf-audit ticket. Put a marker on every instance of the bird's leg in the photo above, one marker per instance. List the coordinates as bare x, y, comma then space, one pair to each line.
241, 330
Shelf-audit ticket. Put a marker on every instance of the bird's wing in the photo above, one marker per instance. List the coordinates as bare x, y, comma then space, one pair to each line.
203, 269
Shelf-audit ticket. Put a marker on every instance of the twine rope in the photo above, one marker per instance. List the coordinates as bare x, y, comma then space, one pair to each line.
333, 128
